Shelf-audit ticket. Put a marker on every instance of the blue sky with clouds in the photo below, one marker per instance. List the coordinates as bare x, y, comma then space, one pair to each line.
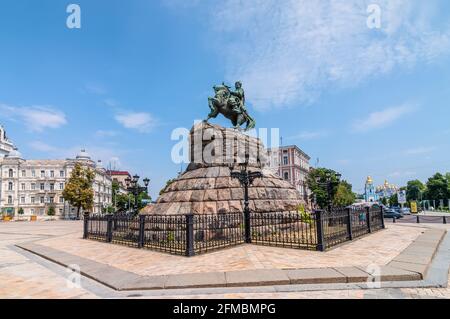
363, 101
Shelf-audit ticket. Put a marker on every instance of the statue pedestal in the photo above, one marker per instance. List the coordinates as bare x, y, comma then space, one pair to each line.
206, 187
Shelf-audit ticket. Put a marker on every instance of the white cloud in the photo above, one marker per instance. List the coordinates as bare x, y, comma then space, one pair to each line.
287, 52
111, 102
36, 118
43, 147
140, 121
382, 118
308, 135
420, 150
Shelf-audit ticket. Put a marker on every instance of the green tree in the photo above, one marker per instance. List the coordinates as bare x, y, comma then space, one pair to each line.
317, 183
437, 187
20, 212
51, 210
344, 195
384, 201
393, 200
78, 191
414, 190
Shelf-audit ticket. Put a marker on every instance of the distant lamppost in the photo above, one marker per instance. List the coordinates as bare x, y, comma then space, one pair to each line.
134, 188
246, 179
329, 182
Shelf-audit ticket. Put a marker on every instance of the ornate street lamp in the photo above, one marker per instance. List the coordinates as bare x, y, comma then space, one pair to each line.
134, 188
246, 179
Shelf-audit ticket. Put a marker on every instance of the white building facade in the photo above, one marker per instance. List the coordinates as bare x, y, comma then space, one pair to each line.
6, 146
36, 185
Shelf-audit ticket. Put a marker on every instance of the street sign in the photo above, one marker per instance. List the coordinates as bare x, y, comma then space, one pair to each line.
414, 208
402, 197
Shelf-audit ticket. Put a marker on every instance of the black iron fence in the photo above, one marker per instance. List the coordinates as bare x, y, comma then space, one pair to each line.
189, 235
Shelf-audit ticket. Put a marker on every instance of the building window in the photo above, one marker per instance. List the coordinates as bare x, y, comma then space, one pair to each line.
10, 186
51, 200
52, 187
285, 160
22, 200
61, 173
22, 186
286, 176
42, 200
61, 186
11, 173
24, 173
42, 173
32, 200
32, 211
10, 200
41, 211
42, 186
33, 173
33, 186
52, 173
61, 200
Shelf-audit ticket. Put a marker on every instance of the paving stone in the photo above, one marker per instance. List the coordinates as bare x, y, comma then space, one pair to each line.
315, 276
418, 268
257, 277
144, 283
353, 274
414, 259
388, 273
198, 280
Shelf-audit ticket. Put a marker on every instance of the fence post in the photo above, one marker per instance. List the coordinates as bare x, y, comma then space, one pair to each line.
382, 218
247, 226
445, 219
86, 225
319, 227
369, 224
394, 220
418, 219
349, 225
190, 235
141, 230
109, 222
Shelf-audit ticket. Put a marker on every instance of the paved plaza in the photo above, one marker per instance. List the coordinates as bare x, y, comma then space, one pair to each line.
25, 275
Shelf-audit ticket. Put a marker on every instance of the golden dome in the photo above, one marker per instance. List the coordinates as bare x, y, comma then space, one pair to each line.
369, 180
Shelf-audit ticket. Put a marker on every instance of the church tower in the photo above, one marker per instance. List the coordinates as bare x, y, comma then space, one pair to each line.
370, 195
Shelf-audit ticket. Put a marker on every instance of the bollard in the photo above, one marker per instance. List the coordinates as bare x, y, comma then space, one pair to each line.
190, 236
445, 220
418, 219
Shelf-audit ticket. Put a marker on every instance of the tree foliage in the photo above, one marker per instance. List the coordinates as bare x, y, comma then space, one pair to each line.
51, 210
438, 187
79, 191
414, 190
344, 195
340, 191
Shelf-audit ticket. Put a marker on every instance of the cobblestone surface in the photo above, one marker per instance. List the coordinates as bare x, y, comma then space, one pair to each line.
379, 248
24, 277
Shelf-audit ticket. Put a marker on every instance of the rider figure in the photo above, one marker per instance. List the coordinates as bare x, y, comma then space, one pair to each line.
240, 97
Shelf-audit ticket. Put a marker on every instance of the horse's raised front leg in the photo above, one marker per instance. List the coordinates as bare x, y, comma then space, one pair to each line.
214, 110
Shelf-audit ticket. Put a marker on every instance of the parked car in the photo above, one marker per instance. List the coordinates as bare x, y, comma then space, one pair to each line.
390, 213
405, 211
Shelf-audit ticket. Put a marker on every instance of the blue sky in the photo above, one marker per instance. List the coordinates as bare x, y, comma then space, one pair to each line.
364, 101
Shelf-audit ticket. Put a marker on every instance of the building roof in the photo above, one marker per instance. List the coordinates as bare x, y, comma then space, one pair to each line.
123, 173
289, 147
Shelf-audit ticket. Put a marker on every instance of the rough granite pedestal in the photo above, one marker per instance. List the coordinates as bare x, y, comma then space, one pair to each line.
206, 187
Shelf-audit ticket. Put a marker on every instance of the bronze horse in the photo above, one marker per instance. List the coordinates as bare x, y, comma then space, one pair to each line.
229, 106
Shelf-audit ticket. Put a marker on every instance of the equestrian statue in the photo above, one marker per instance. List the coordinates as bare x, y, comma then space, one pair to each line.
230, 104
